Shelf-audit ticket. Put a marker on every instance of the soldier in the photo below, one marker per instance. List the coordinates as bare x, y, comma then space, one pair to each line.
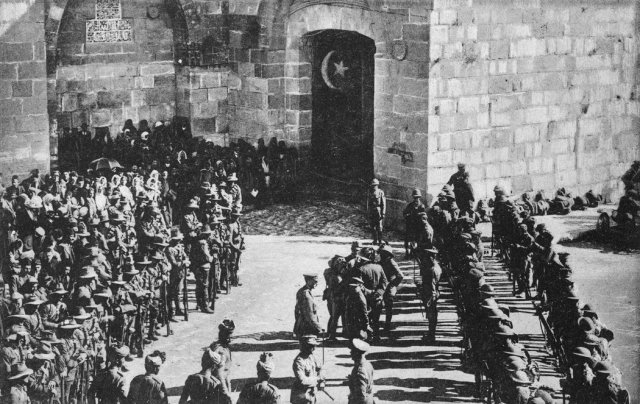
306, 314
235, 242
261, 392
191, 223
307, 372
54, 310
11, 352
204, 387
43, 385
18, 382
333, 293
430, 272
394, 277
109, 385
201, 259
376, 208
411, 219
375, 284
74, 357
361, 377
235, 191
221, 347
356, 313
179, 261
463, 190
148, 388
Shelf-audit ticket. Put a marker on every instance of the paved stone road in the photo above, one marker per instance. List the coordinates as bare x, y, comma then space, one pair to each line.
405, 370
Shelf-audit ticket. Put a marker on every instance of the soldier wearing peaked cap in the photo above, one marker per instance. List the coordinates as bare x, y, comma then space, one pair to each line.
307, 372
261, 392
306, 312
361, 377
376, 209
411, 215
394, 277
148, 388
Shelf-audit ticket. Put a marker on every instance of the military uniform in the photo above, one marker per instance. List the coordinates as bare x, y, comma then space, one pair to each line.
375, 284
306, 314
376, 208
204, 389
307, 375
394, 276
430, 274
411, 215
463, 191
148, 389
17, 395
361, 383
260, 393
177, 258
109, 387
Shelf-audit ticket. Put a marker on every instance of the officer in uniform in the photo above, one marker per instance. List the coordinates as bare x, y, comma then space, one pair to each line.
394, 277
306, 313
375, 285
109, 385
261, 392
376, 208
148, 388
191, 223
361, 377
307, 372
201, 259
430, 272
204, 387
411, 219
235, 242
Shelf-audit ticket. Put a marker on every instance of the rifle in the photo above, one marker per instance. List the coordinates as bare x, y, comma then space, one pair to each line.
140, 329
328, 395
165, 307
185, 295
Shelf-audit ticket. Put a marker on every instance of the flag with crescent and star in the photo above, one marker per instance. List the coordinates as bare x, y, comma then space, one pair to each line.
336, 70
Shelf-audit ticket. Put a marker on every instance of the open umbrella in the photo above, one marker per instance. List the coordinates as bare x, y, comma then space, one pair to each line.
105, 163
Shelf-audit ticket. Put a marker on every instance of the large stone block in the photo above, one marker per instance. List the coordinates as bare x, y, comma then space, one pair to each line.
100, 118
23, 88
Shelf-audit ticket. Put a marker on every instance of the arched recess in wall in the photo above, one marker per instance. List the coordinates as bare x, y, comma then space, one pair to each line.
111, 61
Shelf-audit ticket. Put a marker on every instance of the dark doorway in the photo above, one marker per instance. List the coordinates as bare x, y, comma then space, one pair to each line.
342, 103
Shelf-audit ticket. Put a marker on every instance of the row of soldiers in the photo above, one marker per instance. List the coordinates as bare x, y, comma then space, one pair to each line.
576, 335
89, 263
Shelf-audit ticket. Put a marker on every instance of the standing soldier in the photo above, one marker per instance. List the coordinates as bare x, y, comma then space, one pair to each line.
333, 294
109, 385
148, 388
235, 191
235, 242
306, 313
376, 208
394, 277
261, 392
430, 272
201, 259
179, 261
18, 382
221, 347
375, 285
361, 377
463, 190
356, 313
191, 224
306, 370
411, 219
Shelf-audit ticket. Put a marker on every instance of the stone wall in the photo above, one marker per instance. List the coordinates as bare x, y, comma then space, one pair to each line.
103, 84
201, 98
533, 94
24, 128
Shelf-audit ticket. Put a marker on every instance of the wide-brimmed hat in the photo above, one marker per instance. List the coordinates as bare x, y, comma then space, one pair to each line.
193, 205
80, 314
504, 331
91, 304
87, 272
416, 193
374, 182
604, 368
19, 371
45, 352
520, 377
232, 177
206, 230
50, 337
582, 352
158, 241
118, 281
157, 255
143, 261
32, 301
236, 212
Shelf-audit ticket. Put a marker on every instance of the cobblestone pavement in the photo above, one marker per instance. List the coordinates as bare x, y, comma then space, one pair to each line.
406, 370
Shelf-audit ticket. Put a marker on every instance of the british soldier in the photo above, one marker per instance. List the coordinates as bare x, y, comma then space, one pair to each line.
306, 313
376, 209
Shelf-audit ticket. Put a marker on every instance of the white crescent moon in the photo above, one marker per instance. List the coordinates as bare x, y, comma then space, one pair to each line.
325, 72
